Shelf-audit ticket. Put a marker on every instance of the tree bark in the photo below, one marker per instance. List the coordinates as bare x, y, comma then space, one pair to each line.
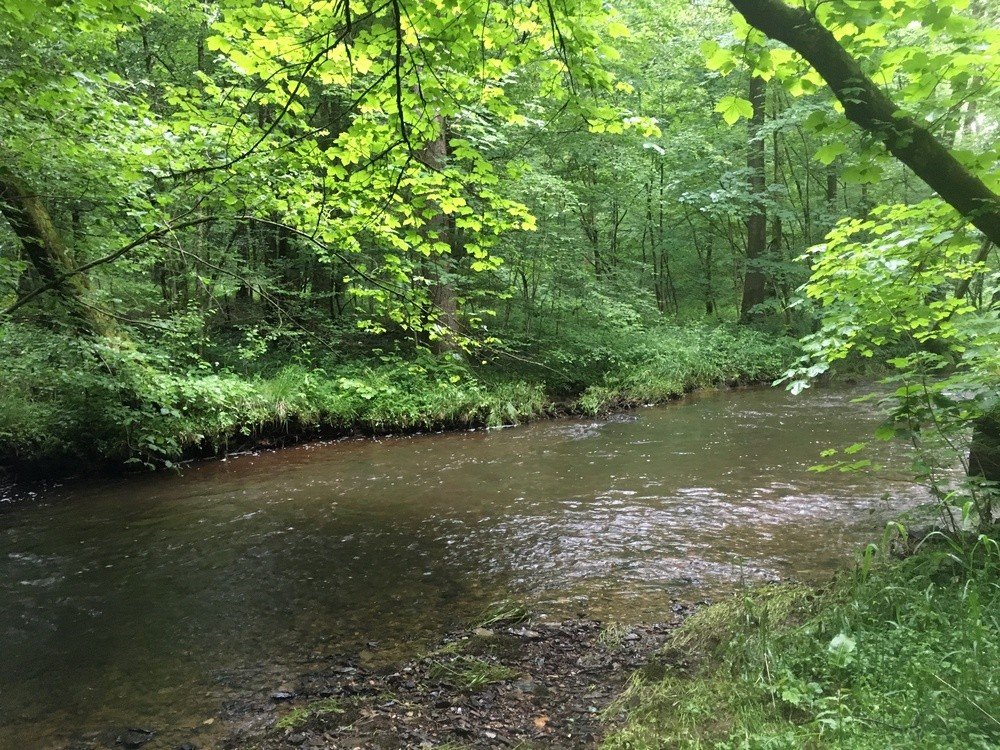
754, 282
434, 155
868, 107
984, 453
831, 195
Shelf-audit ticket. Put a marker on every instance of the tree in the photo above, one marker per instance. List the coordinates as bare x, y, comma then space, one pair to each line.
754, 284
867, 105
27, 216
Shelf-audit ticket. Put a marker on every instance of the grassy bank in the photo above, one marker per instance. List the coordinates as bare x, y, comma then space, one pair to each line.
899, 653
70, 401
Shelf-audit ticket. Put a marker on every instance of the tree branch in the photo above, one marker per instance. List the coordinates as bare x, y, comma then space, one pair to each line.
63, 277
868, 107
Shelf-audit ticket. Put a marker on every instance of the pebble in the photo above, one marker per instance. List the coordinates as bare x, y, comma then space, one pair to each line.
561, 676
134, 738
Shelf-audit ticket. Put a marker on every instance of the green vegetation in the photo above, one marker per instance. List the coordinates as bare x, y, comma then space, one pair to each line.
225, 222
900, 653
665, 364
300, 715
613, 635
104, 402
470, 672
502, 613
229, 222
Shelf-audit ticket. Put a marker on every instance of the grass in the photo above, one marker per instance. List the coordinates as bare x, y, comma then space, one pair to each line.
900, 653
452, 648
612, 635
506, 612
470, 672
77, 400
300, 715
670, 362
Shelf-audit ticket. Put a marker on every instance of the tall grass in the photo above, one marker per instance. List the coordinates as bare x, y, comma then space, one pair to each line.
670, 361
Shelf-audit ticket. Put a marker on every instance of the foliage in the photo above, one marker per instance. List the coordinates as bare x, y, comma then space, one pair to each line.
887, 277
931, 53
900, 274
668, 362
115, 404
266, 198
903, 648
890, 281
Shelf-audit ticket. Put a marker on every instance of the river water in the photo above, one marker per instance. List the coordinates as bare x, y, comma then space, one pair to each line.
155, 600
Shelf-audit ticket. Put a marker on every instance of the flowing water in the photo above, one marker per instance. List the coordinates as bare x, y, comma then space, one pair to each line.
154, 600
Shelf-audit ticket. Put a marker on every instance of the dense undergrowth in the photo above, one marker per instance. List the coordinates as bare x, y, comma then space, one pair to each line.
72, 399
897, 654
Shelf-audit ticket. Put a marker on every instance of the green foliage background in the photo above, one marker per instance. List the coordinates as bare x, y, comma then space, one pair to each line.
407, 215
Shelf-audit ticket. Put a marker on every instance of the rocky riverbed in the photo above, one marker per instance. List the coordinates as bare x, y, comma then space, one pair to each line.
508, 683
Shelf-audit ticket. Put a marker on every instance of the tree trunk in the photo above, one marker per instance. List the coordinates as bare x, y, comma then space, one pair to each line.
831, 189
754, 283
435, 156
43, 245
984, 453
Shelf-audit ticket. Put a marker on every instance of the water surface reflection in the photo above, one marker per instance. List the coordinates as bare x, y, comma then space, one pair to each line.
150, 601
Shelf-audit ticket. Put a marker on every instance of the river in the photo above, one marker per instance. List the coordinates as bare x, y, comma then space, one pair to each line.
158, 599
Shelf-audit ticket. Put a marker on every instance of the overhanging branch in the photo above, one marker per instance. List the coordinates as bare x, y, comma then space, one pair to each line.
866, 105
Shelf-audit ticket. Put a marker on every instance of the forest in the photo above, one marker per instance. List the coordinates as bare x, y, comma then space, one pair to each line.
233, 226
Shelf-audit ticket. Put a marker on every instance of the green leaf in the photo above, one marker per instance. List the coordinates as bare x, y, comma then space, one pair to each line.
733, 108
718, 58
885, 433
828, 153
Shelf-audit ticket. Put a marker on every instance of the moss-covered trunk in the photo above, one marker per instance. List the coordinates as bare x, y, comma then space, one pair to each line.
44, 247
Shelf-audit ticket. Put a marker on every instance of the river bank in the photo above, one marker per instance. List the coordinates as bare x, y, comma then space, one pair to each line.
891, 653
902, 645
513, 681
162, 600
140, 414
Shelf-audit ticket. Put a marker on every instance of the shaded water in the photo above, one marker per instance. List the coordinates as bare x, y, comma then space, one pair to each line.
153, 601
